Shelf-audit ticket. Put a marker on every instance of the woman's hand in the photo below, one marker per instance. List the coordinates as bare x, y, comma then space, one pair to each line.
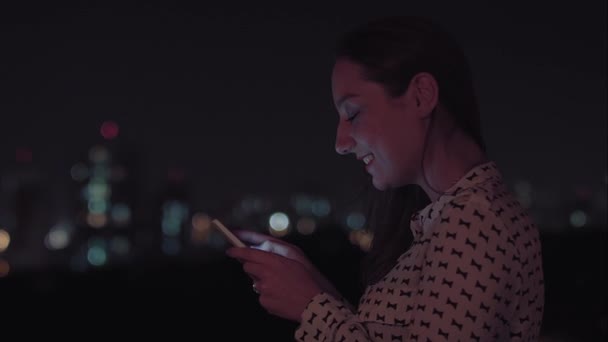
285, 286
275, 245
284, 278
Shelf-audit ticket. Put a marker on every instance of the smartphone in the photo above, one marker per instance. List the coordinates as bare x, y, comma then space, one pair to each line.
235, 241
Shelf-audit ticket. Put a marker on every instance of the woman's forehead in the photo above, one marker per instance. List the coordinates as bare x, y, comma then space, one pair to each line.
347, 80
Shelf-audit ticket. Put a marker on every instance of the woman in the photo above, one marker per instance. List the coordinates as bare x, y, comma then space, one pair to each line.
404, 94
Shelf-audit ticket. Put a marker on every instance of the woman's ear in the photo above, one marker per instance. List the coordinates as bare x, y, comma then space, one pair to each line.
425, 90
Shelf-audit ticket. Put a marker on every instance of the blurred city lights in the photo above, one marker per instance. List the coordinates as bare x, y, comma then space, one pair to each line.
79, 263
302, 204
176, 175
121, 214
171, 226
306, 225
97, 190
99, 154
583, 192
279, 221
100, 173
170, 246
5, 240
278, 224
578, 218
355, 220
361, 238
97, 255
247, 205
118, 173
120, 245
174, 215
321, 208
97, 206
79, 172
4, 268
57, 239
98, 182
96, 220
58, 236
109, 130
365, 242
523, 192
201, 227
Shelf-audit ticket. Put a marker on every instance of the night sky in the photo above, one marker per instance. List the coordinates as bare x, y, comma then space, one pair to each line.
238, 94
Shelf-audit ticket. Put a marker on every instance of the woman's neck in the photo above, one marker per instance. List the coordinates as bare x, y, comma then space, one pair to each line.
448, 158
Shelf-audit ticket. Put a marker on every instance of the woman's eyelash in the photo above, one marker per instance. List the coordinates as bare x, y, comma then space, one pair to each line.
353, 116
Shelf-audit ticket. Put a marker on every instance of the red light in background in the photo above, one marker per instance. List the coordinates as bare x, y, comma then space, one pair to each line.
583, 192
176, 175
109, 130
23, 155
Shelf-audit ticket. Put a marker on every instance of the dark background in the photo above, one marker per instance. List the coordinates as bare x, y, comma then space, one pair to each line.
221, 103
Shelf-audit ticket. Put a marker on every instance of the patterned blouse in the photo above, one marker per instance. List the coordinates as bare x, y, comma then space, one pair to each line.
473, 273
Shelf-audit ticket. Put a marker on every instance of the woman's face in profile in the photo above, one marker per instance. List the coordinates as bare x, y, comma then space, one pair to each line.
382, 131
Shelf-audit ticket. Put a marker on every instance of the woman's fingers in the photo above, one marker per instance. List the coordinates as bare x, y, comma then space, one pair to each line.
254, 237
257, 271
245, 254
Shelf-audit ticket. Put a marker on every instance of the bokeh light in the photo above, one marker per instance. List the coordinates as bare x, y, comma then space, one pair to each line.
171, 246
5, 240
109, 130
97, 220
99, 154
578, 218
361, 238
321, 208
278, 224
121, 214
79, 172
97, 255
120, 245
355, 220
4, 268
58, 236
201, 228
306, 225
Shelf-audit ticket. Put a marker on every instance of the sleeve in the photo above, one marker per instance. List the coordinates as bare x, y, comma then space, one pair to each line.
466, 289
467, 284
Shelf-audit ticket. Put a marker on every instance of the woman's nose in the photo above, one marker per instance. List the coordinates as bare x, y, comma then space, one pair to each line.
344, 142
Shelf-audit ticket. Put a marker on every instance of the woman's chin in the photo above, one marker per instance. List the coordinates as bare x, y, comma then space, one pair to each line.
379, 184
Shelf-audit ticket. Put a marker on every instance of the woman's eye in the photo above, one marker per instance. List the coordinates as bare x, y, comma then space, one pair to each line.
352, 116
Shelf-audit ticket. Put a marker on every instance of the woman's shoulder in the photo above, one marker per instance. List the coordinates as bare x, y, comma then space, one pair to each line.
489, 203
481, 199
482, 188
